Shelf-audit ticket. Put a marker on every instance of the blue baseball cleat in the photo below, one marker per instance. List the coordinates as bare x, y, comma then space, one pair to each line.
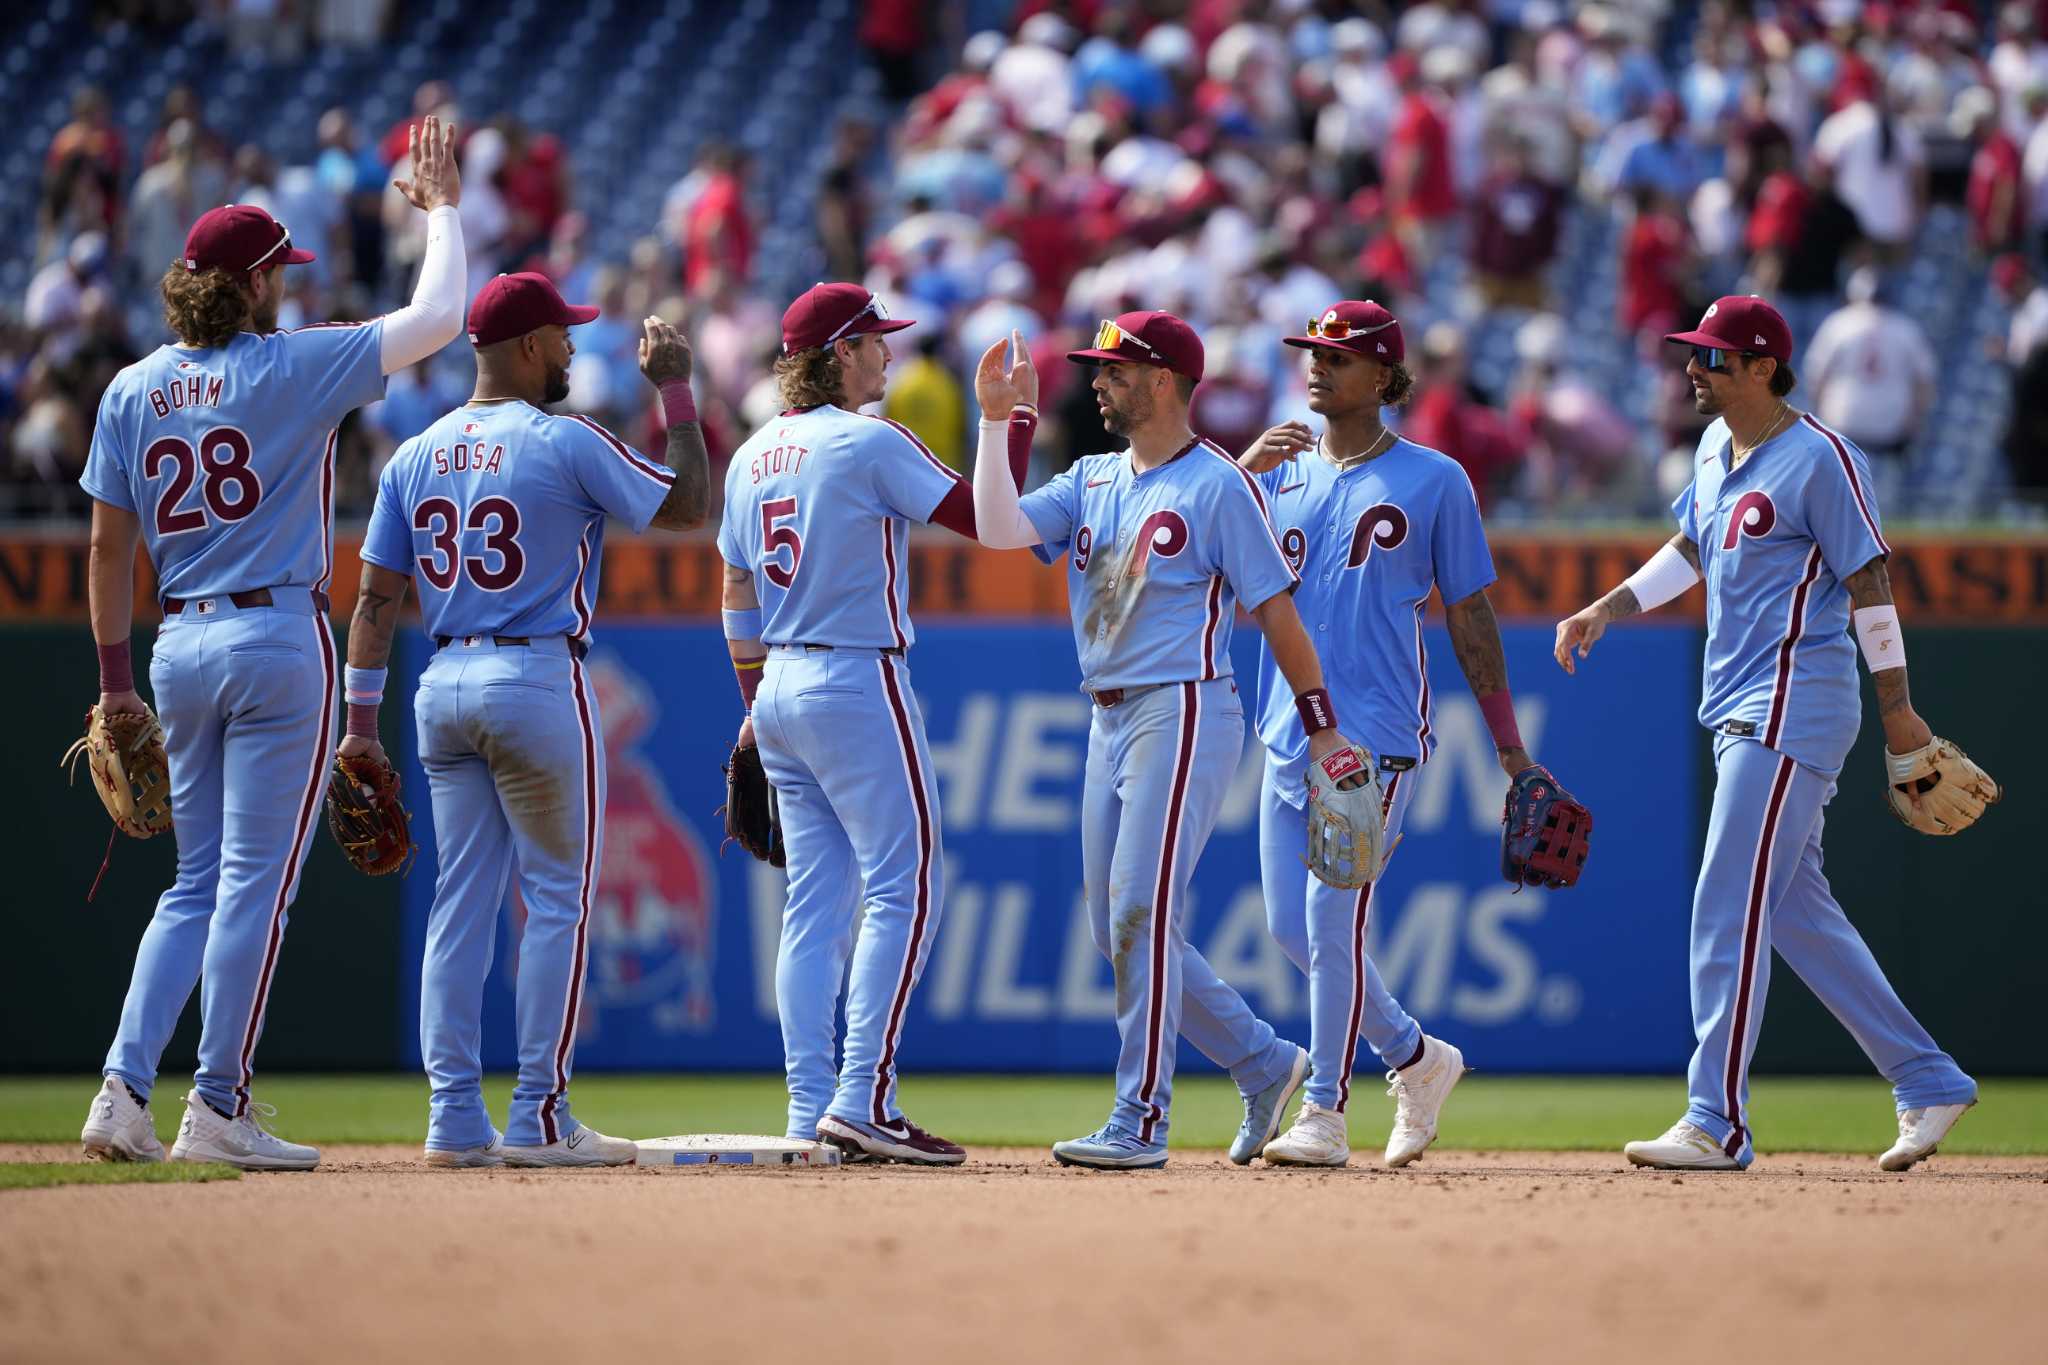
1262, 1111
1111, 1148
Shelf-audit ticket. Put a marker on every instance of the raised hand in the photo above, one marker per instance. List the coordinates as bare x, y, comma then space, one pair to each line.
999, 387
665, 353
436, 180
1278, 445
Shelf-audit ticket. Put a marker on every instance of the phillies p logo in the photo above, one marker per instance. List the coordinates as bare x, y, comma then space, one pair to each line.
1384, 525
1754, 516
1163, 534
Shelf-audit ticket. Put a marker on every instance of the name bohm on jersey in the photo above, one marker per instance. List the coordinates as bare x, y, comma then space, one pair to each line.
197, 390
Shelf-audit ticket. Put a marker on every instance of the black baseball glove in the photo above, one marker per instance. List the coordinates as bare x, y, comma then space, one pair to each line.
751, 817
1544, 831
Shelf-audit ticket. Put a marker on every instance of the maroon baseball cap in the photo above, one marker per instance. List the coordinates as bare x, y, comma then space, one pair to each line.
513, 305
824, 313
1146, 339
1356, 325
240, 238
1741, 322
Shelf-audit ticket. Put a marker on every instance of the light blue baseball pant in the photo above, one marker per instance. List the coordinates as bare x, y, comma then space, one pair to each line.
1761, 887
842, 741
1158, 765
514, 754
1322, 930
246, 697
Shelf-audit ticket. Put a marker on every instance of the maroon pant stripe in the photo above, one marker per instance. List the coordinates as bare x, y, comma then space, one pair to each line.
1162, 907
572, 1007
885, 1064
1752, 945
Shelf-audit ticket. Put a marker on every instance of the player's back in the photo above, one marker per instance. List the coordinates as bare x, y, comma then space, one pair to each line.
498, 512
226, 454
817, 508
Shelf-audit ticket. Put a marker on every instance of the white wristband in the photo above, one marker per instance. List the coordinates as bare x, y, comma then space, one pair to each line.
1877, 630
1666, 576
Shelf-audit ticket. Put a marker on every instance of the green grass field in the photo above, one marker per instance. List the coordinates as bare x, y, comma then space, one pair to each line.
1834, 1114
41, 1175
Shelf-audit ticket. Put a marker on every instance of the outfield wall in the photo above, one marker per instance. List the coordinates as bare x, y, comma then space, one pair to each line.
682, 938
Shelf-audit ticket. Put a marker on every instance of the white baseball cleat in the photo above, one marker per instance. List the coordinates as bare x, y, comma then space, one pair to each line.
1419, 1093
243, 1143
1685, 1147
1920, 1134
492, 1153
584, 1147
1318, 1138
119, 1129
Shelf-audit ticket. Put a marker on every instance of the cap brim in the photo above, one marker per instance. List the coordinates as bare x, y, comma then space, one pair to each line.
876, 326
1324, 342
1699, 339
297, 256
576, 314
1094, 357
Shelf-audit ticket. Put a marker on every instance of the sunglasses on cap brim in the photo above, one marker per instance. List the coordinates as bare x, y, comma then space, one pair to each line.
873, 310
283, 243
1338, 329
1110, 337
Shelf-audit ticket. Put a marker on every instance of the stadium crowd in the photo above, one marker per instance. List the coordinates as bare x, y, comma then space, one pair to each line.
1241, 162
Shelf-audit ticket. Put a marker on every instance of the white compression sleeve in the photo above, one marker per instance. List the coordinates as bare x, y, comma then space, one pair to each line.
1666, 576
434, 317
999, 522
1877, 631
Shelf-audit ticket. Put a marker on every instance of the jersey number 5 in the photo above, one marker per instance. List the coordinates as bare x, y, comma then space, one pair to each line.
443, 522
775, 538
223, 456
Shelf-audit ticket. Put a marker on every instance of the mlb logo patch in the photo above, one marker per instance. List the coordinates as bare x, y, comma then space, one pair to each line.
471, 428
206, 606
188, 364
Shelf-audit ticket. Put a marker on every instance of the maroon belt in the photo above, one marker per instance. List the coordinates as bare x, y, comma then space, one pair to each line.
1116, 696
255, 597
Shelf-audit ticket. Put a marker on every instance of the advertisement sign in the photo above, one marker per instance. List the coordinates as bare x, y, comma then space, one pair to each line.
682, 939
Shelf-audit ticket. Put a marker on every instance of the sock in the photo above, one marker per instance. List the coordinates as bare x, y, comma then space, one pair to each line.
217, 1109
143, 1103
1421, 1046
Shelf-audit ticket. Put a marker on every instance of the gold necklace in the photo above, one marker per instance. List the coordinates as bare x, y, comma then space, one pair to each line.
1742, 452
1347, 461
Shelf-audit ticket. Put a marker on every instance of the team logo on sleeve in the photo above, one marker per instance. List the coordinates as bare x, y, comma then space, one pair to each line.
1754, 516
1384, 525
1163, 533
1294, 545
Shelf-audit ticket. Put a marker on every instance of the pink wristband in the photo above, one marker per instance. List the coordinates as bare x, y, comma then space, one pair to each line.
678, 404
1499, 710
117, 668
362, 720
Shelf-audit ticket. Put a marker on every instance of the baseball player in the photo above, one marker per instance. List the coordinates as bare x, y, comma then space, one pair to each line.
1371, 522
815, 540
218, 451
500, 508
1161, 542
1781, 522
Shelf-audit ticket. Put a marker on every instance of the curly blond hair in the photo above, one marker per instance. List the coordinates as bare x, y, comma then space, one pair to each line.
206, 308
809, 378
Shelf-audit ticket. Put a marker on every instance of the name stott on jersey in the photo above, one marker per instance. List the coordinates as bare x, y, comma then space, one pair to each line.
498, 511
1369, 543
818, 505
1157, 562
1776, 539
226, 454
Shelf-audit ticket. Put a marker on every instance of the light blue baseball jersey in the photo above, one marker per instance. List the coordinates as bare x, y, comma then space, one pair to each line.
497, 511
1370, 542
1157, 562
226, 453
1776, 538
818, 506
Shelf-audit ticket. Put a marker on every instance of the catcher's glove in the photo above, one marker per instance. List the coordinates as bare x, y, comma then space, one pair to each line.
1937, 789
1544, 831
1346, 828
366, 817
124, 752
751, 815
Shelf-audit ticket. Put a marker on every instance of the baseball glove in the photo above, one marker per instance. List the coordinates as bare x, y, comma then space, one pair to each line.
1346, 828
366, 817
751, 816
1544, 831
1952, 791
124, 752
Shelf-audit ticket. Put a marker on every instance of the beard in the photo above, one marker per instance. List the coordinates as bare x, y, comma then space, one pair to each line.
1123, 419
557, 384
263, 314
1705, 404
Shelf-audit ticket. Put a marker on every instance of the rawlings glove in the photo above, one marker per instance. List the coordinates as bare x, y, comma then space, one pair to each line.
751, 816
1346, 829
124, 752
1937, 789
366, 817
1544, 831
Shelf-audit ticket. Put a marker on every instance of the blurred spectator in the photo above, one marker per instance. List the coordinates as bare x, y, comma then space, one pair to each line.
843, 213
1516, 101
535, 183
1878, 167
1870, 372
1420, 194
1656, 262
567, 261
1514, 238
2018, 66
2026, 436
82, 174
893, 33
718, 231
61, 293
1231, 405
181, 105
1652, 153
1996, 197
414, 399
1580, 450
1107, 64
925, 396
1617, 77
432, 97
354, 174
168, 199
1446, 415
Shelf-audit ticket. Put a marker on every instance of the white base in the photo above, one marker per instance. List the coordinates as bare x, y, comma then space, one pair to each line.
730, 1149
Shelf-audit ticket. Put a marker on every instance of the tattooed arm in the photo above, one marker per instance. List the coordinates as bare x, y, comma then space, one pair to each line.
1475, 639
376, 619
1577, 634
666, 360
1904, 731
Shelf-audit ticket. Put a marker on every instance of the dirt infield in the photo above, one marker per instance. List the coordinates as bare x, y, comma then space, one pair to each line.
1467, 1256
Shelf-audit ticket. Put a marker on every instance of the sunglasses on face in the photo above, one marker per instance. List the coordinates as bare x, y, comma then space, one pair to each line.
1337, 329
1717, 361
874, 310
1110, 337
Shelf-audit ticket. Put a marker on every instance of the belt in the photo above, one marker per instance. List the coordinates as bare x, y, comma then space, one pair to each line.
1741, 729
896, 650
255, 597
1116, 696
576, 646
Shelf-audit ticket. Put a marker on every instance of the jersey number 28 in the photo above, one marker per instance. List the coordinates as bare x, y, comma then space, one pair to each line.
443, 522
230, 489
